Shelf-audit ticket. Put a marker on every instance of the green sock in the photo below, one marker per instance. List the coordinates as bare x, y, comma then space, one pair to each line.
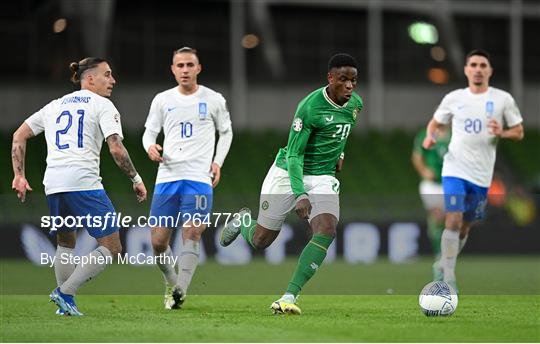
249, 230
311, 258
435, 230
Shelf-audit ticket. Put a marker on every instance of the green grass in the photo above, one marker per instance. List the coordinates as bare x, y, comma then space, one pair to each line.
246, 319
500, 302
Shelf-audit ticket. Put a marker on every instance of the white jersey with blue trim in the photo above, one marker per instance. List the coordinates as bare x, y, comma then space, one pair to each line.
472, 150
189, 123
75, 127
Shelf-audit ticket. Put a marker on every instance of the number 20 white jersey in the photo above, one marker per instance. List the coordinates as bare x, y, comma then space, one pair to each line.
472, 151
75, 127
189, 123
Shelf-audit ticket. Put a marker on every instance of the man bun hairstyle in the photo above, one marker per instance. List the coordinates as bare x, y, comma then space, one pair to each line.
477, 52
79, 68
341, 60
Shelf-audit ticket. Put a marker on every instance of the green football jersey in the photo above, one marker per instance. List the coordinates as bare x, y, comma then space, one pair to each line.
317, 138
433, 157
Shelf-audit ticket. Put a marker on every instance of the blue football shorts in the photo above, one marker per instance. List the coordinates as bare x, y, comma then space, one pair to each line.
177, 202
463, 196
77, 204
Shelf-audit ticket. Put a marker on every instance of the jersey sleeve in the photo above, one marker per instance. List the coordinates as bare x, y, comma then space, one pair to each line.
296, 146
443, 114
222, 118
154, 121
511, 113
36, 122
109, 120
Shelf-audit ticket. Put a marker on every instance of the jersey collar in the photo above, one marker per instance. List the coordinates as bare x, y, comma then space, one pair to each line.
330, 101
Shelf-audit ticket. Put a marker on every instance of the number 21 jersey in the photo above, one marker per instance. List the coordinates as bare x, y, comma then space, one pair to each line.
75, 127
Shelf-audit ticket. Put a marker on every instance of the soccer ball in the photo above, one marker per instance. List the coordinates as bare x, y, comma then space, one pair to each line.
438, 299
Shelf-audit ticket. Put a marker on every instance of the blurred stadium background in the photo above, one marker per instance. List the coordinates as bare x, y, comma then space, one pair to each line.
264, 56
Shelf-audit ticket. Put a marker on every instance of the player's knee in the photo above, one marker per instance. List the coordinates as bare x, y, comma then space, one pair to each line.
114, 246
159, 245
262, 242
65, 243
454, 221
66, 239
324, 224
192, 233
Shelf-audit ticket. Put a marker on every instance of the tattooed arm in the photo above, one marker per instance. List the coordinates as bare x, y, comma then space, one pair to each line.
121, 155
18, 153
122, 159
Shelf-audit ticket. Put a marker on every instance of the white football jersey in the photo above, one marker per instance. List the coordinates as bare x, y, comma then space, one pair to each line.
189, 123
472, 151
75, 127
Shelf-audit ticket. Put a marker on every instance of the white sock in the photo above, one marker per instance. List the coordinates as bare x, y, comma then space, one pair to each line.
63, 268
96, 261
189, 259
462, 243
449, 252
167, 268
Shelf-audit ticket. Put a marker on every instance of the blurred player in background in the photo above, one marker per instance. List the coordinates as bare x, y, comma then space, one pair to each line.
303, 176
477, 114
75, 127
189, 114
428, 163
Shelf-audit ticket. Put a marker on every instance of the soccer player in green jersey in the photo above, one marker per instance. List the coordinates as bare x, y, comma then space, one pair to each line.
303, 177
428, 163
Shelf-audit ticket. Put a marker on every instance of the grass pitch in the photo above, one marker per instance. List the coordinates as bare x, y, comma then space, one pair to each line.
383, 309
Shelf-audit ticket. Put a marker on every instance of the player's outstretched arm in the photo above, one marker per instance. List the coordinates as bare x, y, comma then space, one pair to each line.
431, 131
18, 153
122, 160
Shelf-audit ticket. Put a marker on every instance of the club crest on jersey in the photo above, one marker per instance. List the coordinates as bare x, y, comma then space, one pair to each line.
297, 124
355, 113
203, 110
489, 108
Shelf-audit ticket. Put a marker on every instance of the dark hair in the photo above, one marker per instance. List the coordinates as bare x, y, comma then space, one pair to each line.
185, 50
476, 52
341, 60
79, 68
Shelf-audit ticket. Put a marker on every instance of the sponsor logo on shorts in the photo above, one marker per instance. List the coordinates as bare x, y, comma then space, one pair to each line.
335, 186
265, 205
